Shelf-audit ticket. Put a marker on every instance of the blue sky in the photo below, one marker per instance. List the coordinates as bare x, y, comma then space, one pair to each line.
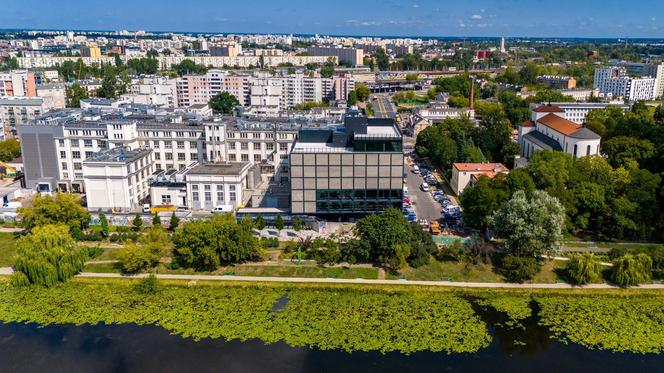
564, 18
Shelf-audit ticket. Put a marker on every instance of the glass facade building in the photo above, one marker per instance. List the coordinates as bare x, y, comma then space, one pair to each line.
355, 168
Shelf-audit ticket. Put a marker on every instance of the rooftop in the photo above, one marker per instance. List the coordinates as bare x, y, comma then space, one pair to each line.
562, 125
542, 140
119, 155
548, 109
227, 168
481, 167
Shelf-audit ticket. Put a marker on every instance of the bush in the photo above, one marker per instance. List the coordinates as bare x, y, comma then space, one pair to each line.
123, 237
583, 269
453, 252
297, 224
269, 242
94, 251
418, 257
148, 285
518, 269
631, 270
136, 258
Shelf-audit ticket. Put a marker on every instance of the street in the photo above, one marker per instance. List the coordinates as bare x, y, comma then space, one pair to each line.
383, 108
425, 206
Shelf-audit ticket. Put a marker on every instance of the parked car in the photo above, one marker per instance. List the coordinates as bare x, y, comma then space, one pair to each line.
222, 209
425, 186
434, 227
146, 208
416, 169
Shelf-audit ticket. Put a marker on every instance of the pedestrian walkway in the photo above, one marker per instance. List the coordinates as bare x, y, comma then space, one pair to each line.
358, 281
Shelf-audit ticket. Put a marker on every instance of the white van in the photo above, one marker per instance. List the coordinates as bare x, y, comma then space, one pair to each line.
425, 187
146, 208
222, 209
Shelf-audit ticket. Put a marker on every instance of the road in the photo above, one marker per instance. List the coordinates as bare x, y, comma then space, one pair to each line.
383, 108
357, 281
425, 206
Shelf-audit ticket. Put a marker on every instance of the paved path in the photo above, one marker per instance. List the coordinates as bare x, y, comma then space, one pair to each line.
10, 230
7, 271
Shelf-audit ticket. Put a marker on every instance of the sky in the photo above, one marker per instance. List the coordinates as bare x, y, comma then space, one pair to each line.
528, 18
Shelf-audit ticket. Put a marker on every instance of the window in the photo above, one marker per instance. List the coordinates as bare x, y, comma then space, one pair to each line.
180, 144
283, 147
588, 150
208, 196
244, 146
243, 135
61, 142
182, 157
168, 144
156, 144
77, 166
269, 146
87, 143
245, 157
220, 196
63, 154
101, 143
165, 199
88, 155
76, 154
157, 156
194, 187
257, 157
193, 156
257, 146
194, 196
232, 157
64, 165
207, 187
169, 156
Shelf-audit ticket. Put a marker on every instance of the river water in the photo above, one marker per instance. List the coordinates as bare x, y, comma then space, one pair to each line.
132, 348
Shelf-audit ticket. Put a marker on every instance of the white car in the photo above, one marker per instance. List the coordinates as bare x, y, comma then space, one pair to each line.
222, 209
416, 169
425, 187
146, 208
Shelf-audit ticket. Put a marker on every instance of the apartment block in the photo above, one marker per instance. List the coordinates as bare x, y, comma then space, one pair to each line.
614, 82
16, 111
20, 83
350, 56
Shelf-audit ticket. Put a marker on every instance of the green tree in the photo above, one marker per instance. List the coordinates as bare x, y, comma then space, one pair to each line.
135, 258
530, 226
412, 77
223, 103
279, 222
60, 208
205, 244
259, 223
103, 222
362, 92
382, 59
75, 93
518, 269
583, 269
9, 149
327, 70
481, 200
383, 233
156, 220
631, 270
137, 223
352, 98
174, 222
297, 224
46, 256
109, 85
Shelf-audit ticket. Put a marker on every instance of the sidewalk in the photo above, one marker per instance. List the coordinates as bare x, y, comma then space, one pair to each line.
496, 285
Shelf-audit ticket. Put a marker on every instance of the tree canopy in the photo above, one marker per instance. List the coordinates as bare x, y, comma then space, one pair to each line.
223, 103
60, 208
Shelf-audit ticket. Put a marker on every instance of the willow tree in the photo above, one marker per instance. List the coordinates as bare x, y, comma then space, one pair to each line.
631, 270
47, 255
583, 269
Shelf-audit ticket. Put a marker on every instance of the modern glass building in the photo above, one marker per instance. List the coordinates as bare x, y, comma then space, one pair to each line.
353, 168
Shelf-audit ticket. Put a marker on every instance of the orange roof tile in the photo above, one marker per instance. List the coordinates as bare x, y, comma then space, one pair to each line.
562, 125
528, 123
480, 167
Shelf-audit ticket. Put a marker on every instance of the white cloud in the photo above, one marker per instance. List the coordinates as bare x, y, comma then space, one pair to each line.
416, 6
476, 16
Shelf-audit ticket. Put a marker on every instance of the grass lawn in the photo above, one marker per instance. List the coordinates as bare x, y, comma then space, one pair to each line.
7, 249
304, 271
549, 272
102, 268
610, 245
452, 271
109, 253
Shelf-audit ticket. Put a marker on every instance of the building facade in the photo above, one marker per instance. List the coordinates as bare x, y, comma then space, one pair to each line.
614, 82
350, 169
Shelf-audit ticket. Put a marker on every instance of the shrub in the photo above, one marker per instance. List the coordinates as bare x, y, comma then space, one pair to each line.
137, 223
135, 258
269, 242
297, 224
631, 270
518, 269
453, 252
583, 269
419, 256
259, 223
147, 285
279, 223
174, 223
94, 251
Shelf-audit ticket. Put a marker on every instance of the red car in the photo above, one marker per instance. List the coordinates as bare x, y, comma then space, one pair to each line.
406, 200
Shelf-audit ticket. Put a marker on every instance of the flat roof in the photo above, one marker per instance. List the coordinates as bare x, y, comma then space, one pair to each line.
227, 168
119, 155
319, 147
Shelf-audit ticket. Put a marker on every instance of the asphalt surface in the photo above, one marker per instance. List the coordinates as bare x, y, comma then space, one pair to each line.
425, 206
383, 107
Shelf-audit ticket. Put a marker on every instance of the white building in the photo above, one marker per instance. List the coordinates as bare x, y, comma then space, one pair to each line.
549, 130
578, 111
153, 90
464, 174
54, 95
614, 82
224, 185
117, 179
16, 111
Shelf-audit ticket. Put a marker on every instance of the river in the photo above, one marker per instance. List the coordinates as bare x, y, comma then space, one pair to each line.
132, 348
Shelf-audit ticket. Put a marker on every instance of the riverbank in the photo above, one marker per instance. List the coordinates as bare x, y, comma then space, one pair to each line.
359, 317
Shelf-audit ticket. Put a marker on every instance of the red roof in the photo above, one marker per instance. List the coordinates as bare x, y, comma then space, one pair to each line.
562, 125
548, 109
480, 167
528, 123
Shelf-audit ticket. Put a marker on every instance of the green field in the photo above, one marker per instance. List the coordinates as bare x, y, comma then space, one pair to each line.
7, 249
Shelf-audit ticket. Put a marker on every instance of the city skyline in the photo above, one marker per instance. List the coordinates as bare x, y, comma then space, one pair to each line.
514, 18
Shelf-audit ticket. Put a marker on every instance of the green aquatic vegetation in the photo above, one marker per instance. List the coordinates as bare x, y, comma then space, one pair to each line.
607, 322
381, 320
516, 306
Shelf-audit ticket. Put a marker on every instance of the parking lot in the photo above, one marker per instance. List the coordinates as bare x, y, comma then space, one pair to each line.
425, 206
